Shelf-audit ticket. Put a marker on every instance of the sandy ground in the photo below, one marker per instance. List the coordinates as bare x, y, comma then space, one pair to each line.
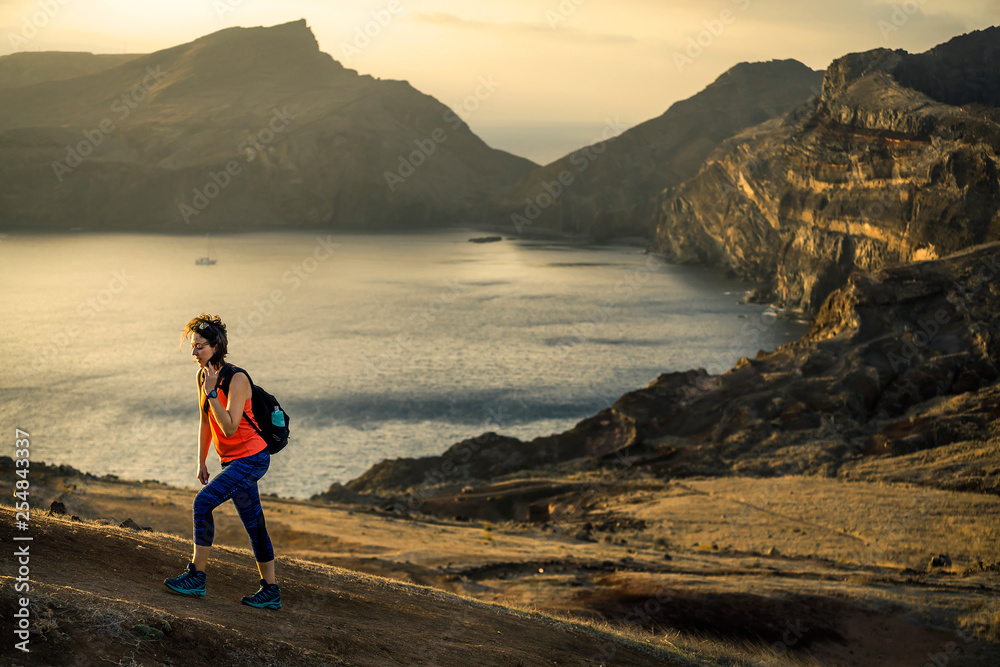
811, 569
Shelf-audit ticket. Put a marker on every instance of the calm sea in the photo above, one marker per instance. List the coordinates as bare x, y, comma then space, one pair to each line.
379, 346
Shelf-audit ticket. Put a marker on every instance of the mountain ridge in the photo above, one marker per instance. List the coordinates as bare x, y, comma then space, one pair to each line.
246, 128
609, 188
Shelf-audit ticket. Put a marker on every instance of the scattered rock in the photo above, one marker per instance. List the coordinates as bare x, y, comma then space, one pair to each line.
57, 508
941, 560
773, 551
539, 512
129, 523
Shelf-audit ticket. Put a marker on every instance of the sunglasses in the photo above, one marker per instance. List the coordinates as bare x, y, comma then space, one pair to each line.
201, 327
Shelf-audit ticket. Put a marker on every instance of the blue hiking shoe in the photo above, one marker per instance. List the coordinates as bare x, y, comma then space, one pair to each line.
267, 597
191, 582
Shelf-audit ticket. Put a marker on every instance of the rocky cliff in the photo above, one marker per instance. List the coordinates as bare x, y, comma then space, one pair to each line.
246, 128
608, 188
896, 380
896, 161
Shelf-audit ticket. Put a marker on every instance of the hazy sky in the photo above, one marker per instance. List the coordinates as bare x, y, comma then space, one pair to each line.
559, 68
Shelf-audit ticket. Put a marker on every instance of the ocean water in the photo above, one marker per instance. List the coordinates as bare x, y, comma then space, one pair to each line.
379, 346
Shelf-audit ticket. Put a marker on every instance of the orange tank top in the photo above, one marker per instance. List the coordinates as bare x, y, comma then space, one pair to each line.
245, 442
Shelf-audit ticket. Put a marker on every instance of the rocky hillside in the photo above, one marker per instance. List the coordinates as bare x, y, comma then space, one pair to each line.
246, 128
897, 161
896, 379
608, 188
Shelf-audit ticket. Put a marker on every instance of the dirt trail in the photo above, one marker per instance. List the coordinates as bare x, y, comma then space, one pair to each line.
87, 574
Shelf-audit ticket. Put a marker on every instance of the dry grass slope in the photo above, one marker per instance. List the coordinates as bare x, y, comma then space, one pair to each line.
96, 595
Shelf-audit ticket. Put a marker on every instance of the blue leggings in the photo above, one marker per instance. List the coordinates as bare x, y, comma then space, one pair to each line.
238, 480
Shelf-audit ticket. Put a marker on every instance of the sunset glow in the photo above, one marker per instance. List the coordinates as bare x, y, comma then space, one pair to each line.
564, 64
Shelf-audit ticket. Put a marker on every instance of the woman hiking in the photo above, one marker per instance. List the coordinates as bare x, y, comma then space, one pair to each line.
243, 453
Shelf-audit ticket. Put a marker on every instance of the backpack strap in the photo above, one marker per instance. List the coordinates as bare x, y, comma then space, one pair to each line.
226, 375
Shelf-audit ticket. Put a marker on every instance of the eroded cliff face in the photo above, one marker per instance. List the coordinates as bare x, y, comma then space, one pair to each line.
896, 161
246, 128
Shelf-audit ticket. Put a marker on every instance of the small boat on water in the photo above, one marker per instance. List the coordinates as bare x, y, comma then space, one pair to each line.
207, 260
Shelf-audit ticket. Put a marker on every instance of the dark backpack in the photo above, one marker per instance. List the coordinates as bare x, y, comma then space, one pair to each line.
273, 427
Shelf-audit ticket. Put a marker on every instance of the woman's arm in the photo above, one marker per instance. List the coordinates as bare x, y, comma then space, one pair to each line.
204, 442
228, 416
204, 431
